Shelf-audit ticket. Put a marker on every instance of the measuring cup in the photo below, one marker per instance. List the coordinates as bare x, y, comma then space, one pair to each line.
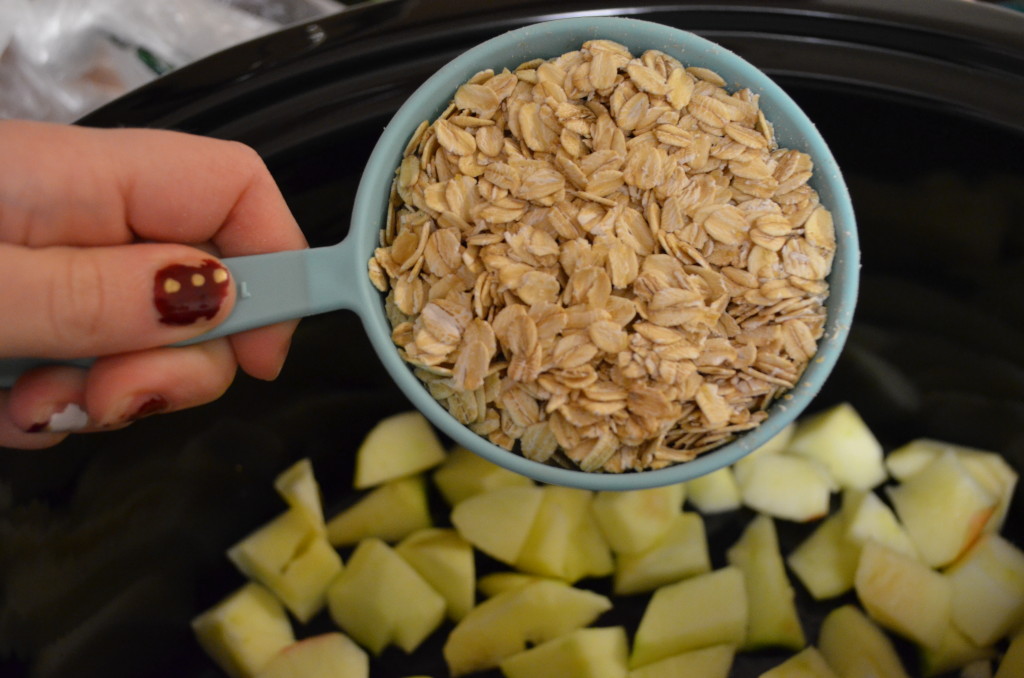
287, 285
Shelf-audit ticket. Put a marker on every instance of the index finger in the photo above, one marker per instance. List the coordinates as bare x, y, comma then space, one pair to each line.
84, 186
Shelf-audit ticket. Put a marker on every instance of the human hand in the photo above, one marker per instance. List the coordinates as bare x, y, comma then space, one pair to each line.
108, 247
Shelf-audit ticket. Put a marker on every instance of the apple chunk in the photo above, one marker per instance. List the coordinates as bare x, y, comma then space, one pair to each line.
298, 487
988, 590
855, 647
396, 447
328, 655
634, 520
446, 561
840, 440
583, 653
463, 474
808, 663
498, 521
707, 662
903, 594
682, 552
390, 512
380, 600
773, 620
989, 469
244, 631
292, 558
786, 486
943, 509
509, 622
565, 540
826, 561
716, 492
708, 609
868, 518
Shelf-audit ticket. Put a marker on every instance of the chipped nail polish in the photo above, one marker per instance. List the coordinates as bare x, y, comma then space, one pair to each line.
184, 294
67, 420
152, 405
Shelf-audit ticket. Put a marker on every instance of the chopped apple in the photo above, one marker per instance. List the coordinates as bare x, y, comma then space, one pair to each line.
446, 561
868, 518
988, 590
682, 552
716, 492
1012, 663
773, 620
707, 662
826, 561
775, 445
498, 521
508, 623
380, 600
291, 558
708, 609
903, 594
956, 651
494, 583
990, 469
856, 648
565, 540
463, 474
583, 653
840, 440
298, 487
398, 446
390, 512
244, 631
328, 655
632, 521
943, 509
787, 487
808, 663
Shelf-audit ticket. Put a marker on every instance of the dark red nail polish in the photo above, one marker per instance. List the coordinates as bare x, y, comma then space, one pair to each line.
184, 294
153, 405
36, 428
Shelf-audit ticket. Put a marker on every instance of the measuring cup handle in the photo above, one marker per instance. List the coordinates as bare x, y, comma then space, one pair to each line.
270, 288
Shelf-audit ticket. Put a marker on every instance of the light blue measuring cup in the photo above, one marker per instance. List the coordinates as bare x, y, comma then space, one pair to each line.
286, 285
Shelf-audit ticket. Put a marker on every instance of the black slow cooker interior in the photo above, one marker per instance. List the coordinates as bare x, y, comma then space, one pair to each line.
110, 543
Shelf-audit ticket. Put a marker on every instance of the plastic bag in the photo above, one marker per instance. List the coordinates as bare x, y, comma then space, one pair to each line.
60, 59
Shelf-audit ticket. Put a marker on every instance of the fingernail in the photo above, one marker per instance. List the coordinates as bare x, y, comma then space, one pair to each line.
149, 406
184, 294
67, 420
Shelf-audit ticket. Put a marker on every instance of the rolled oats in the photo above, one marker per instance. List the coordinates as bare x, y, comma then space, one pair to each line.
604, 261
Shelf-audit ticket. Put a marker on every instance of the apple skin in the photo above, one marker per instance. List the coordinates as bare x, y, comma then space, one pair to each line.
244, 631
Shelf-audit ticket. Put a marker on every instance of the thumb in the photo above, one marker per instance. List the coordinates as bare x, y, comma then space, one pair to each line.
70, 302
